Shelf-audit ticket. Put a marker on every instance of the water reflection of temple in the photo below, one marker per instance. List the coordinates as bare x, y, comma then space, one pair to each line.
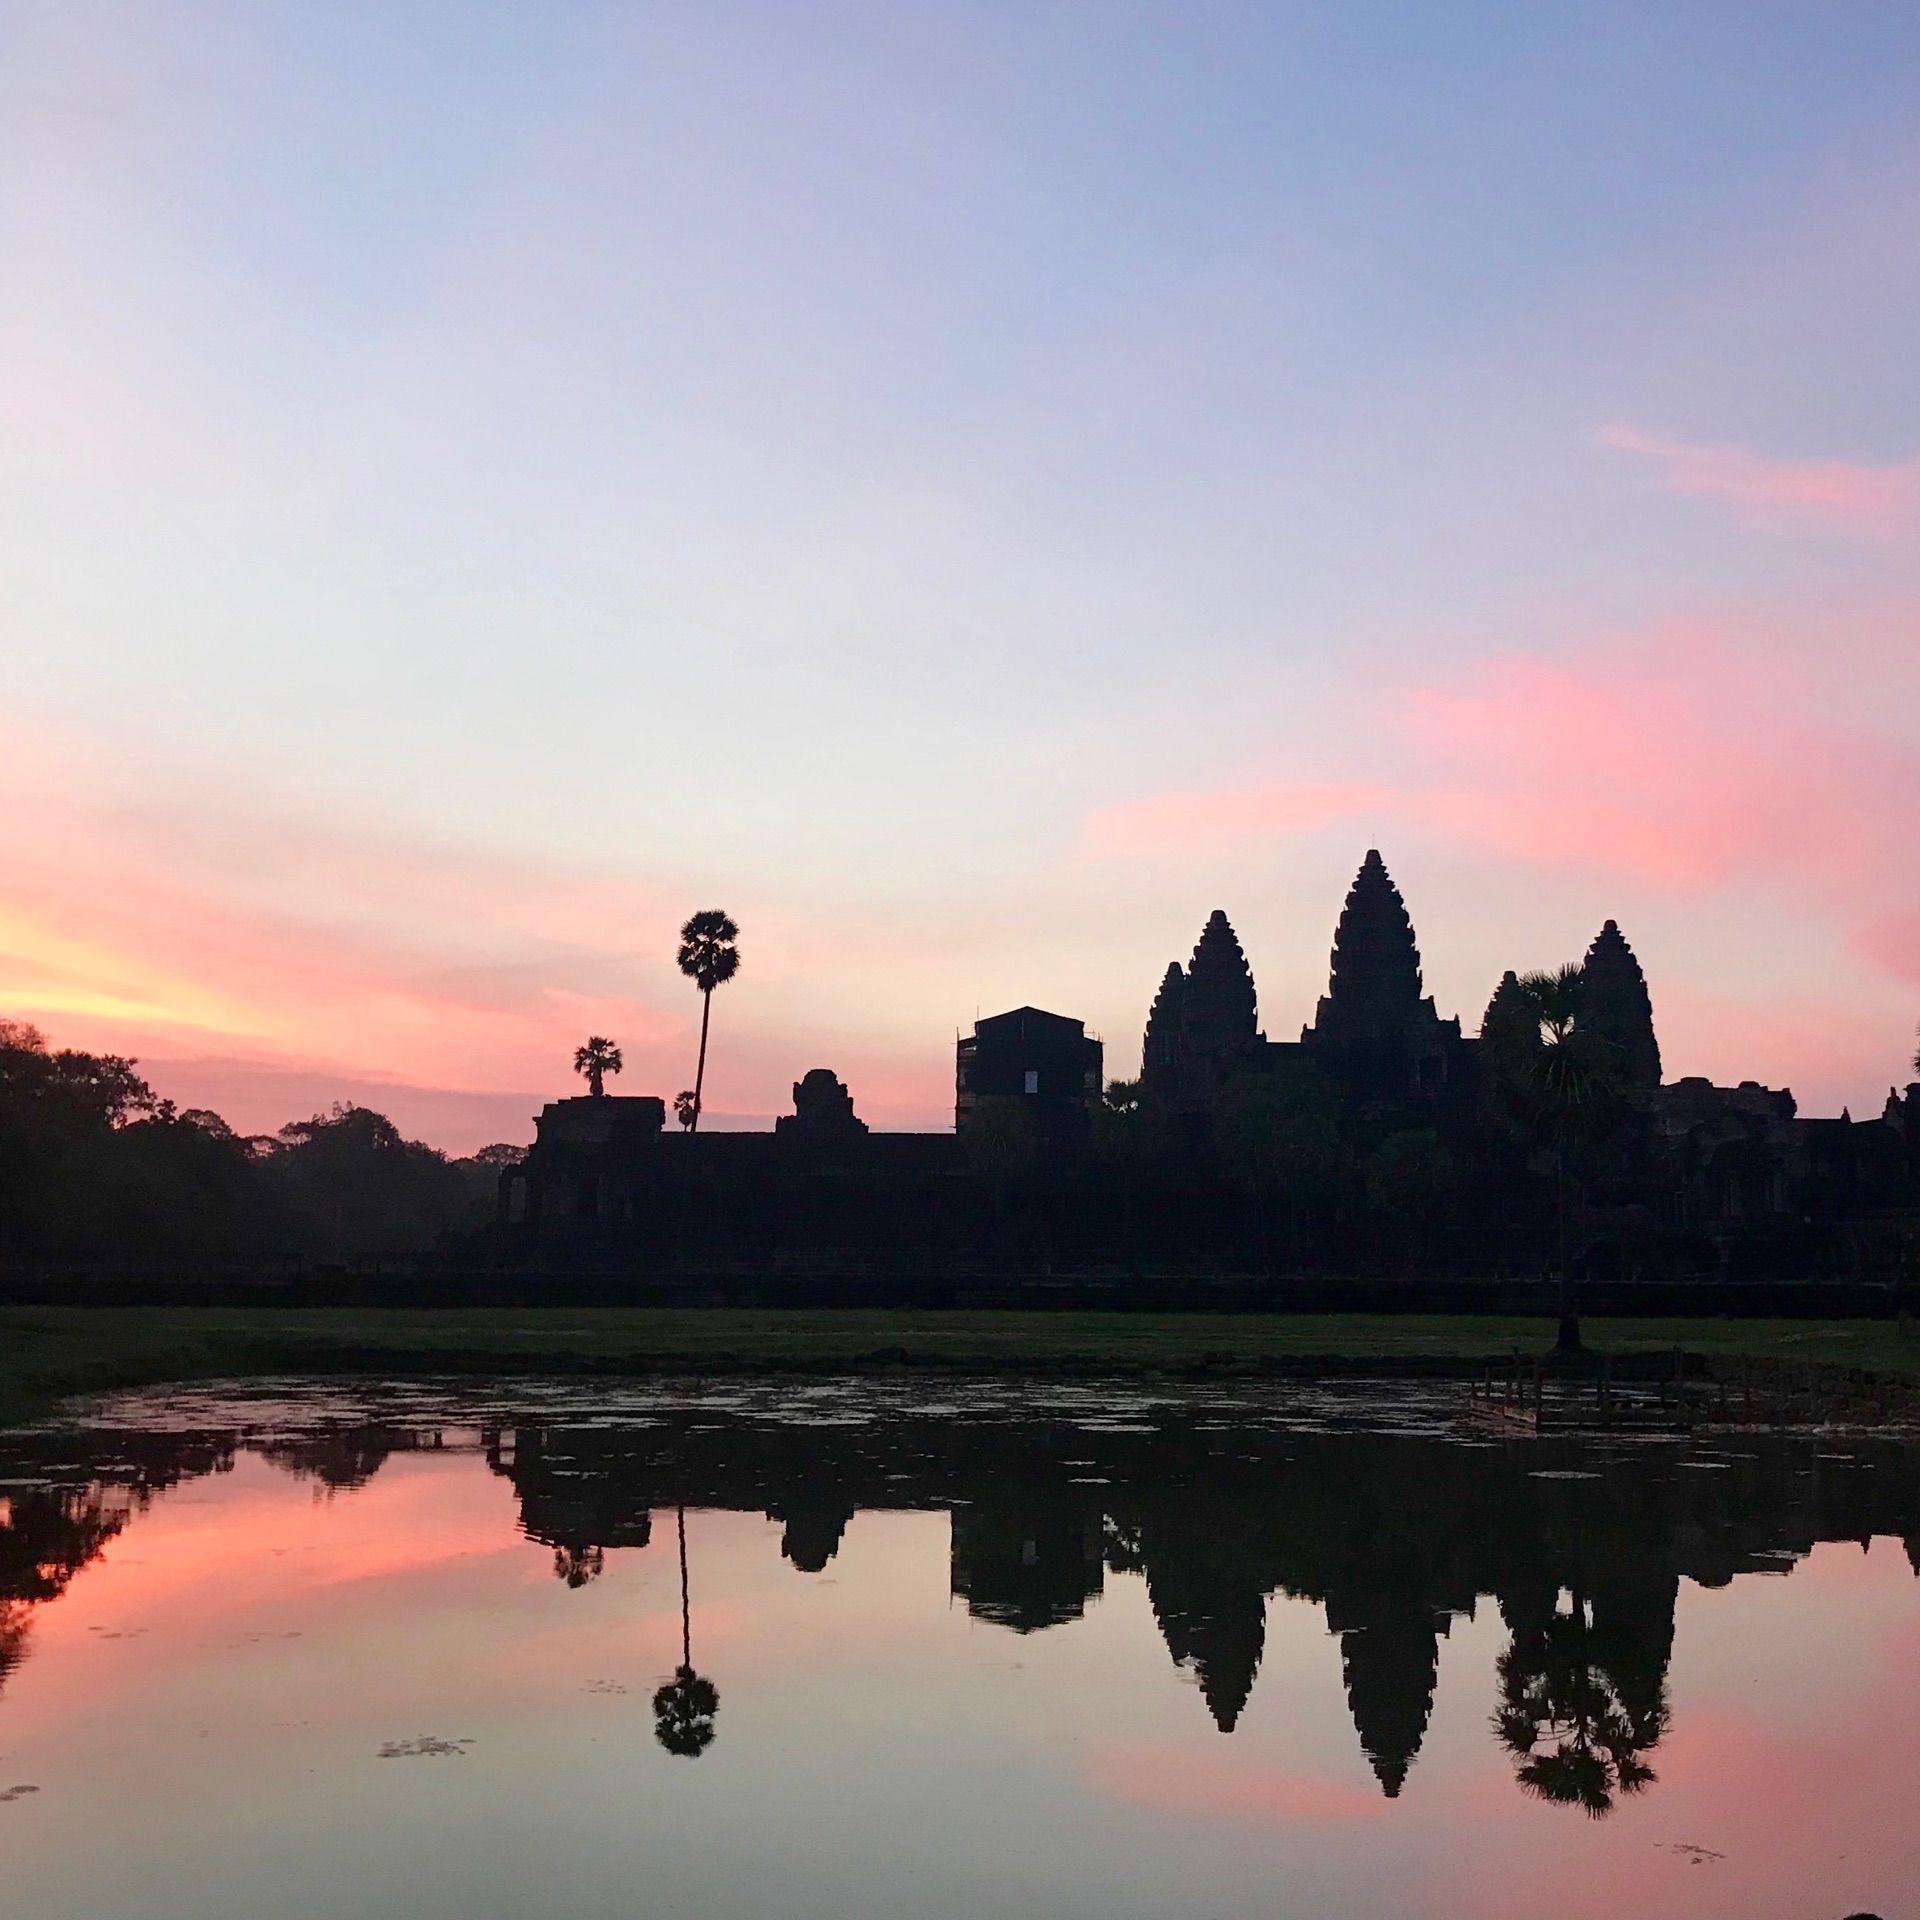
1392, 1537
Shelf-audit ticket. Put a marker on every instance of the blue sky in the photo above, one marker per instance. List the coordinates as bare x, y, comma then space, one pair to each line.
480, 481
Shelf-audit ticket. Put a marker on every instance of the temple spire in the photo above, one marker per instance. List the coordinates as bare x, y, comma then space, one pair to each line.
1220, 1011
1619, 1008
1160, 1049
1374, 988
1509, 1023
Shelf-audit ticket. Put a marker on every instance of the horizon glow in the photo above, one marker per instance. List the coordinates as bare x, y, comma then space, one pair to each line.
968, 490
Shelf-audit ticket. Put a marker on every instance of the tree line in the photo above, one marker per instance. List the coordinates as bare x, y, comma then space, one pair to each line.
94, 1165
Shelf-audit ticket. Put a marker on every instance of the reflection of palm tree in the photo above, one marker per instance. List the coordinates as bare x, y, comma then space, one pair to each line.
1577, 1728
576, 1565
684, 1709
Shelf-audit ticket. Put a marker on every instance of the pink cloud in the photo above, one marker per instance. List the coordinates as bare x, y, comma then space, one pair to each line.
1191, 1783
1694, 756
1171, 822
1838, 494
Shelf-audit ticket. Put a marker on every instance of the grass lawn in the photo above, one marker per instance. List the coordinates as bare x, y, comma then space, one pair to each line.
49, 1351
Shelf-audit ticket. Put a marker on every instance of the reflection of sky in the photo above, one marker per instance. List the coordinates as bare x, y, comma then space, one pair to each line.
203, 1709
970, 489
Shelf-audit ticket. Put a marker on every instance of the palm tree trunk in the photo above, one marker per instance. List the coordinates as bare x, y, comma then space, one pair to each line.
700, 1072
1569, 1340
686, 1614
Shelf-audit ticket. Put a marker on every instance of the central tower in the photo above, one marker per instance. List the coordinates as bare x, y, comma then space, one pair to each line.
1375, 1031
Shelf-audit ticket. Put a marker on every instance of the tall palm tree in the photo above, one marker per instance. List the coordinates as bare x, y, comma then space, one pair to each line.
709, 956
684, 1709
1556, 1079
598, 1058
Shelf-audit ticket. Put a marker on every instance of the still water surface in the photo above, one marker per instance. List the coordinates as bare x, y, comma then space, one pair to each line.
1092, 1651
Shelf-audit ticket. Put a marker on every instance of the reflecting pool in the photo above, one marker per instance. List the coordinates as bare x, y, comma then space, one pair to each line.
849, 1649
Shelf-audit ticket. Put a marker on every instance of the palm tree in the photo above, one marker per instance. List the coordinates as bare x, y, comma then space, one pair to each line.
709, 958
1555, 1077
683, 1107
684, 1709
598, 1058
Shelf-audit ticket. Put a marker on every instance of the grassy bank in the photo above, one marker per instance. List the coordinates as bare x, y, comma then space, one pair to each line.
46, 1352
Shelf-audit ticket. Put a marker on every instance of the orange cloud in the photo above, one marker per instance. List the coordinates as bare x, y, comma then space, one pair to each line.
1171, 822
265, 963
1838, 494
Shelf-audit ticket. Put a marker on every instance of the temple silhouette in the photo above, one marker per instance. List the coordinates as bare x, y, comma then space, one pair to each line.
1374, 1137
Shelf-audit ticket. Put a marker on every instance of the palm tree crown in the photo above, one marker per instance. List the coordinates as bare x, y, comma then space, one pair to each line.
598, 1058
709, 955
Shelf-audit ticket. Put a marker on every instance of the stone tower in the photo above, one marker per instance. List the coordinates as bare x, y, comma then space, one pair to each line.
1374, 989
1160, 1050
1620, 1010
1508, 1023
1219, 1018
1374, 1030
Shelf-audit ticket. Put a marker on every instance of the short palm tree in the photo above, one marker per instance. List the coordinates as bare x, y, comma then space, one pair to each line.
598, 1058
709, 956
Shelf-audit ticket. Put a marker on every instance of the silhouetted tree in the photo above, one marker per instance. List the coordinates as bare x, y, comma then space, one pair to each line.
1278, 1138
1555, 1080
363, 1186
598, 1058
1122, 1096
93, 1161
1411, 1178
709, 956
684, 1109
685, 1708
1001, 1143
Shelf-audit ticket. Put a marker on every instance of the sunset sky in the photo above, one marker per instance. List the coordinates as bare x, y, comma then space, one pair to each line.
966, 488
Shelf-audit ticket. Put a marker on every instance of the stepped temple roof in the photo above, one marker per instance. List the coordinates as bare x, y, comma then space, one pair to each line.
1374, 988
1619, 1008
1160, 1050
1220, 1011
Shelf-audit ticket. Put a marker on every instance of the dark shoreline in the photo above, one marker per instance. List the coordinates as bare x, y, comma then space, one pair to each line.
50, 1352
